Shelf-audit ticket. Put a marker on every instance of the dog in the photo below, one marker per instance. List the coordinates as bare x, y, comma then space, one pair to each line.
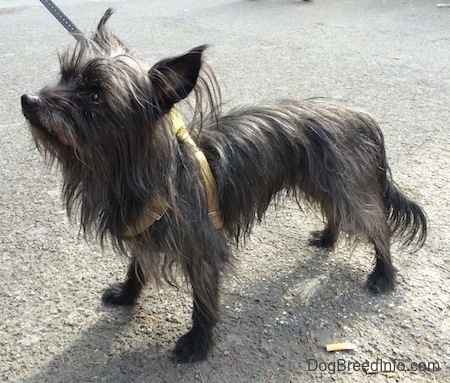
175, 197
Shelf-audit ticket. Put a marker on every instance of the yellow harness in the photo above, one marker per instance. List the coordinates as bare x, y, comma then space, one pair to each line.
158, 207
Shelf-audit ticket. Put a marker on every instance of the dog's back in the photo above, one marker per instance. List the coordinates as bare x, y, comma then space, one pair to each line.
316, 149
320, 152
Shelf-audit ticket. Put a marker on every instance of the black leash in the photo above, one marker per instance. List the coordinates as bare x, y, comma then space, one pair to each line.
63, 19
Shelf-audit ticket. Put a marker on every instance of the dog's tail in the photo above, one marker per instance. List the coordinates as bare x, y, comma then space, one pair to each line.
406, 219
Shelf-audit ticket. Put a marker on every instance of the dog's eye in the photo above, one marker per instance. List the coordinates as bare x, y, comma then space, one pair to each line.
95, 97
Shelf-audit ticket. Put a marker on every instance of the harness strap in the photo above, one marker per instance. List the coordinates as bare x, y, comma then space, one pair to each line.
158, 206
212, 193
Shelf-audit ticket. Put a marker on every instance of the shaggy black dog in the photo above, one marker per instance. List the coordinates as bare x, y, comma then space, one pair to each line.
136, 177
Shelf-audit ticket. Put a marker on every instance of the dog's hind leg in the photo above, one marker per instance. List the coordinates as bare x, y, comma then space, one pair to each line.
126, 293
371, 221
379, 233
326, 238
382, 278
368, 217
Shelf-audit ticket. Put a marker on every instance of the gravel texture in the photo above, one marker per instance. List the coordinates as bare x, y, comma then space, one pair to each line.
285, 300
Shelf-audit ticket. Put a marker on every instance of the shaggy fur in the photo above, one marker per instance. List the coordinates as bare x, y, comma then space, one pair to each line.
106, 123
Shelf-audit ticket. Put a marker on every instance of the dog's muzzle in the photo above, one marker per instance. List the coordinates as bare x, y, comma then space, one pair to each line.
30, 102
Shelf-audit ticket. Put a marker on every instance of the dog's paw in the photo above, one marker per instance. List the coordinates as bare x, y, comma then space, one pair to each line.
321, 238
117, 295
192, 347
379, 282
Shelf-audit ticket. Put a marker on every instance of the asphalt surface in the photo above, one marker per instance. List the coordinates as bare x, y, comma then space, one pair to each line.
285, 301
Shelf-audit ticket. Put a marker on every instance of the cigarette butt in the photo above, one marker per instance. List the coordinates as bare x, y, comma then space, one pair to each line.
340, 346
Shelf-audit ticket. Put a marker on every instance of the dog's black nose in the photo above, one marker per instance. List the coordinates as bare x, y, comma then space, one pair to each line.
30, 102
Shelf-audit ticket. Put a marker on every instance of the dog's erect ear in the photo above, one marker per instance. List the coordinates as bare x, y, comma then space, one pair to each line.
101, 25
174, 78
105, 39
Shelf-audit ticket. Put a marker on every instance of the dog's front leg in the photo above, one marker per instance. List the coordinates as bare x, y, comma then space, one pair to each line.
126, 293
194, 345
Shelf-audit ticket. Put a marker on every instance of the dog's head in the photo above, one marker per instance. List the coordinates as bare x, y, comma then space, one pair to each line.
106, 103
